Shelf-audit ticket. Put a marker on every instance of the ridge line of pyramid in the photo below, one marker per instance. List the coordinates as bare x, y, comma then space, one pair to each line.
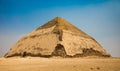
62, 24
51, 23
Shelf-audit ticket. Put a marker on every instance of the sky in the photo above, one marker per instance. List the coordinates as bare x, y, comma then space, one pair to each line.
98, 18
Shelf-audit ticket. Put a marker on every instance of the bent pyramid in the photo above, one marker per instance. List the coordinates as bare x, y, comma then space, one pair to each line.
57, 38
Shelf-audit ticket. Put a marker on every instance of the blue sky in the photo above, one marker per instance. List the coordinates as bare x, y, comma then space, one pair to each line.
98, 18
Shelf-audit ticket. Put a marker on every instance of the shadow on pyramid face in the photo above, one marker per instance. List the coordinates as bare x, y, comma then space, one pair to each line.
59, 51
90, 52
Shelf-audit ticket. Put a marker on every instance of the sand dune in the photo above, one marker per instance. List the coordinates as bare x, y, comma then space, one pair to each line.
59, 64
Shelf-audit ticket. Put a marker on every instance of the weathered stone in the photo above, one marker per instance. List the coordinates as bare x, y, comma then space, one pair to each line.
57, 38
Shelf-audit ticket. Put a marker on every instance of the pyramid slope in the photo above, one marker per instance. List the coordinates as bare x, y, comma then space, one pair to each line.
62, 24
57, 38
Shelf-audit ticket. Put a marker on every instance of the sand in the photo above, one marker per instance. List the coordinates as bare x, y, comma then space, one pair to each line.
59, 64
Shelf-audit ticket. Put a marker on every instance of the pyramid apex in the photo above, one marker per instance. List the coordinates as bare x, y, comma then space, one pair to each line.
58, 19
62, 24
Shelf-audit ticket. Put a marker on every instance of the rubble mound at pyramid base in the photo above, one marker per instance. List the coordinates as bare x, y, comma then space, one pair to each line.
50, 56
60, 52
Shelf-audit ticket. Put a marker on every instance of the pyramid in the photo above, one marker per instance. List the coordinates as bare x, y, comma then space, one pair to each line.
57, 38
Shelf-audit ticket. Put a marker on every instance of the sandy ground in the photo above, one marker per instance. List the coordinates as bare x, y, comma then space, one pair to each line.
59, 64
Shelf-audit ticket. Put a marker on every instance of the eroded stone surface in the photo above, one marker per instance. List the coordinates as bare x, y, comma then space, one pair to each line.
57, 38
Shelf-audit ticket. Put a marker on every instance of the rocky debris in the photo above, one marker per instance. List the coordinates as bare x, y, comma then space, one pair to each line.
57, 38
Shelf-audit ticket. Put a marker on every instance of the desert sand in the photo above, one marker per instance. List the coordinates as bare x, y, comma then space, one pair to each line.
59, 64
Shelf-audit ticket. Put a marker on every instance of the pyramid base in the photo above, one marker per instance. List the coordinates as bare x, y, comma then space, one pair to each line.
60, 52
